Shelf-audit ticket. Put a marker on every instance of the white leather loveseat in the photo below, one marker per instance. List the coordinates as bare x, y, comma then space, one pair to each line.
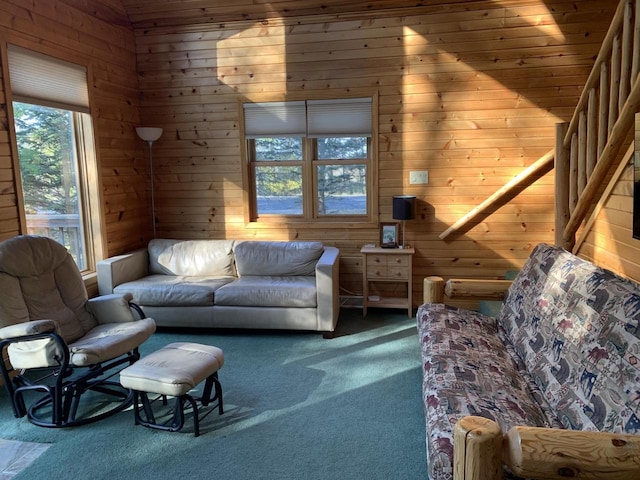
230, 284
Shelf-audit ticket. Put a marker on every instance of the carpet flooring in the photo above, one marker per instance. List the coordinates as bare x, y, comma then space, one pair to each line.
297, 406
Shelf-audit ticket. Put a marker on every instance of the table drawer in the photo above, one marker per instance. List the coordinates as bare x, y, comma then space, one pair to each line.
398, 260
397, 273
375, 272
374, 261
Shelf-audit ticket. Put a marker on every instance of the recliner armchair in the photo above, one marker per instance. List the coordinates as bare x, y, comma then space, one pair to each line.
61, 344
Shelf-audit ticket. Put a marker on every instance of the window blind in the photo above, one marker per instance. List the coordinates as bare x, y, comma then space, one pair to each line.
44, 80
347, 117
273, 119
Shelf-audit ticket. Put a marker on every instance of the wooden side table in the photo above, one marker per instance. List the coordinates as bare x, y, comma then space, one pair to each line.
387, 265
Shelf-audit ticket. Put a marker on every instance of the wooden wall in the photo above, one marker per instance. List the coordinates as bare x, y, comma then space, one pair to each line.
9, 224
471, 94
101, 38
608, 241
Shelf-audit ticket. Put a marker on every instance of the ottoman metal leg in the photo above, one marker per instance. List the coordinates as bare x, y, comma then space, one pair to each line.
143, 411
173, 371
206, 394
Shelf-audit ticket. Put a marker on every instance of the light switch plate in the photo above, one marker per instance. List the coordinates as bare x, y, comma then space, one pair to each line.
419, 177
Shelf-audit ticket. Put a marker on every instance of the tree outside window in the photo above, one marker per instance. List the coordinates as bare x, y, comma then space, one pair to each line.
310, 160
50, 178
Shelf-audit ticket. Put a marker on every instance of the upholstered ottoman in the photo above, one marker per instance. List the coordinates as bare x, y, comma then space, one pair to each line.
173, 371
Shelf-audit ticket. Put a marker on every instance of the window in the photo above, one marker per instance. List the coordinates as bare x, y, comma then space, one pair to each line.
310, 161
55, 152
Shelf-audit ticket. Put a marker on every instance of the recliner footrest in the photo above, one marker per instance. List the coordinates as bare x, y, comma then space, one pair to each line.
173, 371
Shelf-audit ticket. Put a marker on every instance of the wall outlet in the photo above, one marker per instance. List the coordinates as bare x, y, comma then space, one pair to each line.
419, 178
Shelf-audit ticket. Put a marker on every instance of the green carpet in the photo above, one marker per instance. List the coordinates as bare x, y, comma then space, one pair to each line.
296, 407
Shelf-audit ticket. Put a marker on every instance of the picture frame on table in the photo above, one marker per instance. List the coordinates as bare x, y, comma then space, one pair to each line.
389, 235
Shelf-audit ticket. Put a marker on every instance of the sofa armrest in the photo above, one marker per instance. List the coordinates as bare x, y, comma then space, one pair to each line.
480, 450
34, 327
473, 287
547, 453
477, 449
112, 308
120, 269
328, 287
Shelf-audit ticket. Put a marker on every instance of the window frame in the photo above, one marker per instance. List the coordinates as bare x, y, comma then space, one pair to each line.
310, 217
89, 191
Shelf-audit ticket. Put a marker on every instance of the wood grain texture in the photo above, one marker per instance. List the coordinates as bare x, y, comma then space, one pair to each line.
99, 36
608, 240
470, 93
461, 287
544, 453
433, 290
477, 455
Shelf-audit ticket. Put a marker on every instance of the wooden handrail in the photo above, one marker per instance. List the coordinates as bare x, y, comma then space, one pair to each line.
628, 156
592, 80
589, 145
607, 159
598, 129
541, 166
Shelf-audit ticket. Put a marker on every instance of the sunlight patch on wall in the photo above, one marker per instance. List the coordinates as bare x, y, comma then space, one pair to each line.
254, 65
448, 99
605, 247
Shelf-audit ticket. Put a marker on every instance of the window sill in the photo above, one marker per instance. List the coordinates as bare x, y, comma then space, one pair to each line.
311, 224
91, 283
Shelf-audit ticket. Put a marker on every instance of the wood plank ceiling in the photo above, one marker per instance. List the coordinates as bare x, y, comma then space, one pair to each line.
164, 13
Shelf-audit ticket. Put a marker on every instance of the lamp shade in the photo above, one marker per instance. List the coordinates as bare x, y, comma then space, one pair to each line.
149, 134
404, 207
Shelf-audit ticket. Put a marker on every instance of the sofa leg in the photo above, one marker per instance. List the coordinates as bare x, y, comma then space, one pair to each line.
328, 335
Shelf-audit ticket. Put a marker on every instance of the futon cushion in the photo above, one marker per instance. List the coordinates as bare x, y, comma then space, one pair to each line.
277, 258
467, 370
577, 328
191, 257
173, 290
271, 291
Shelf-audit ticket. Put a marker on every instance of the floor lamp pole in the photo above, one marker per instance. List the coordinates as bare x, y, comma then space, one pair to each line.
153, 199
150, 135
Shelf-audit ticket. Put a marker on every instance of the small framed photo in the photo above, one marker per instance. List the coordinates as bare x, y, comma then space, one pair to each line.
389, 235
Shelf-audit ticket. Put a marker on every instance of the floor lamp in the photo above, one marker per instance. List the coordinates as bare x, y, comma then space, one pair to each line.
150, 135
404, 208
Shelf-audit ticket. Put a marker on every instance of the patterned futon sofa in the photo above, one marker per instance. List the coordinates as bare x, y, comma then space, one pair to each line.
564, 352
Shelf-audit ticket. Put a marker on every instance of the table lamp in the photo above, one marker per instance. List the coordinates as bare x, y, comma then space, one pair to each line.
404, 208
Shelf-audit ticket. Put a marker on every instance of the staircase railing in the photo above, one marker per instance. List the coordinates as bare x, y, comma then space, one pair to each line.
588, 146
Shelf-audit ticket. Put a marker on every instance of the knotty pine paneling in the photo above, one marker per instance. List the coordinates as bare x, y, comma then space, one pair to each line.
610, 241
9, 223
101, 38
150, 13
470, 93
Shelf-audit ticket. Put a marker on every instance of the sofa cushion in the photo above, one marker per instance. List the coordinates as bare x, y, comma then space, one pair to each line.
468, 371
173, 290
191, 257
577, 328
277, 258
271, 291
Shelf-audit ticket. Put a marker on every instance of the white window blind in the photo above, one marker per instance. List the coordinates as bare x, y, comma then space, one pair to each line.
348, 117
44, 80
275, 119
